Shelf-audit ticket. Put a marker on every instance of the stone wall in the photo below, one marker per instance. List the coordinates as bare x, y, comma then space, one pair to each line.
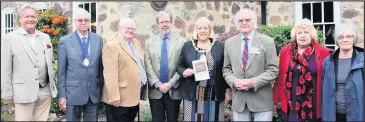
354, 12
280, 13
184, 16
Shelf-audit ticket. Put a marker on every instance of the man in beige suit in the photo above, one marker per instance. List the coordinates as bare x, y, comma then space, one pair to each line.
162, 53
124, 74
250, 65
27, 69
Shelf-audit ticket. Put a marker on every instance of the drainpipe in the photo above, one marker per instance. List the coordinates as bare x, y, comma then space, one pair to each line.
263, 12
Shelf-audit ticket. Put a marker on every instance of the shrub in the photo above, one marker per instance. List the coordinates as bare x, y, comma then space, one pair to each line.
281, 34
54, 24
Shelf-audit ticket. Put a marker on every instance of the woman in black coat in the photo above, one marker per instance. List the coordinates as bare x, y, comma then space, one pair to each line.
204, 99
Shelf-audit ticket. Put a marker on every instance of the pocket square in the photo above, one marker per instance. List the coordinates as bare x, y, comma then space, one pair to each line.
48, 46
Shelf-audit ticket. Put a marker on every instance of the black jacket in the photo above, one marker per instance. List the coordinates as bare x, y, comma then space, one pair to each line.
188, 85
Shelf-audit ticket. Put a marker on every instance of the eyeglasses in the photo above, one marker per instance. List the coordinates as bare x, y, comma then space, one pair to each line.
129, 28
348, 37
83, 20
244, 20
163, 22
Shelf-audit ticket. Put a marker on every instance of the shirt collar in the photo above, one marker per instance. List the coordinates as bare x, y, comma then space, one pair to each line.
81, 36
24, 32
168, 35
250, 36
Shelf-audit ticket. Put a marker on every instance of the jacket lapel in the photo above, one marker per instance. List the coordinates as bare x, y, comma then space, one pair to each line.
26, 45
76, 45
173, 42
45, 42
157, 45
125, 48
214, 54
138, 49
255, 45
92, 45
237, 49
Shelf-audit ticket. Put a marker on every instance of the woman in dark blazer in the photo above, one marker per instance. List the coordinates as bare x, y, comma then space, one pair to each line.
203, 100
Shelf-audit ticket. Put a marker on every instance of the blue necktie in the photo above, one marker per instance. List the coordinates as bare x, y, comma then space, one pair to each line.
164, 62
85, 47
142, 72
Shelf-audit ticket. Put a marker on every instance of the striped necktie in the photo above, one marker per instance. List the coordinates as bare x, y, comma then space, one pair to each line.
245, 53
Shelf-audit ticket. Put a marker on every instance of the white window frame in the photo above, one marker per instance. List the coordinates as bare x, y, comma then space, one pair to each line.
4, 21
40, 6
336, 15
76, 5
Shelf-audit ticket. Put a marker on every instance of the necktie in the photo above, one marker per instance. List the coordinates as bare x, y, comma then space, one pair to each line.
85, 47
245, 53
142, 72
164, 62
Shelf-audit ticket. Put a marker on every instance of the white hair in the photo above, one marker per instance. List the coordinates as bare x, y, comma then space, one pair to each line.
341, 28
27, 6
304, 24
253, 17
79, 11
125, 20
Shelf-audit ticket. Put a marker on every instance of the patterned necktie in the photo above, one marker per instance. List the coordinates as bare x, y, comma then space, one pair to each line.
245, 53
164, 62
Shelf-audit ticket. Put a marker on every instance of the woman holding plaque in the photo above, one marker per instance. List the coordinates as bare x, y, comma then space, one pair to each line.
203, 99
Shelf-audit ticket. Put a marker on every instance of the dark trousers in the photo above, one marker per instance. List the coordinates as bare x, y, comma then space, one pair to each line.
90, 112
118, 114
340, 117
165, 107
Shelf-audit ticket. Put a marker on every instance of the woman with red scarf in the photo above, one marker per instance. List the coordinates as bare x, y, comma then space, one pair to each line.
298, 87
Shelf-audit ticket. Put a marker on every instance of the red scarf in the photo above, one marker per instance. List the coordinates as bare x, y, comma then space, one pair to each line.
304, 88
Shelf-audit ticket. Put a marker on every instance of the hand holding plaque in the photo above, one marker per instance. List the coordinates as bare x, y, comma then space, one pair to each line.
200, 68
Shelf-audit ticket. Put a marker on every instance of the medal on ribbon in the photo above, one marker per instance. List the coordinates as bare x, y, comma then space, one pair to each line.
86, 62
84, 47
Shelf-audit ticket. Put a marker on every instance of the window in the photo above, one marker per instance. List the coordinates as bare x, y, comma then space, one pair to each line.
40, 6
91, 8
324, 15
7, 20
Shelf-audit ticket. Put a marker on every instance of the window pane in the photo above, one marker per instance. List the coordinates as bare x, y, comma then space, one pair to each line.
319, 28
6, 20
87, 7
328, 11
329, 29
317, 12
93, 12
81, 6
306, 11
11, 21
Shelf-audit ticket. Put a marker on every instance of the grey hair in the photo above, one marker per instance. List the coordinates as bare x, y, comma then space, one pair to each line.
79, 11
253, 15
27, 6
162, 13
341, 28
124, 20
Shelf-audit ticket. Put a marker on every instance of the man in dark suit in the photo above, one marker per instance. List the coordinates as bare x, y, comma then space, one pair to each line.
80, 70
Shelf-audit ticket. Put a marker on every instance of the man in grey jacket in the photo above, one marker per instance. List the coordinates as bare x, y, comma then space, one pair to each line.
80, 70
